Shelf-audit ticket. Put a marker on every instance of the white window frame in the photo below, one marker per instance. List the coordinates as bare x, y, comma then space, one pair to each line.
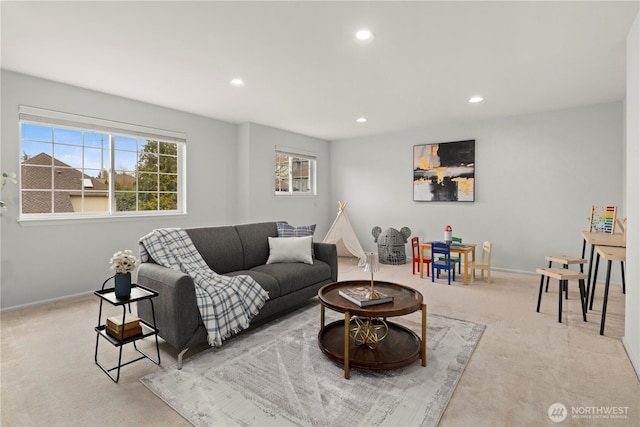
57, 119
298, 154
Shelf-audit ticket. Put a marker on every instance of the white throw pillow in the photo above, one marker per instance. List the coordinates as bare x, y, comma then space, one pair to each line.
290, 249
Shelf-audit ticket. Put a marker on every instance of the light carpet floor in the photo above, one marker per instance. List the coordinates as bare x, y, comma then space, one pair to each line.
524, 363
277, 375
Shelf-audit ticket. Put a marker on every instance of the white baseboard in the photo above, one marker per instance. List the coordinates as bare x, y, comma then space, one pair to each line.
510, 270
533, 273
47, 301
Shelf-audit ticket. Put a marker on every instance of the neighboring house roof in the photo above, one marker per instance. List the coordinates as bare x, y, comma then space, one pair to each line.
124, 180
65, 178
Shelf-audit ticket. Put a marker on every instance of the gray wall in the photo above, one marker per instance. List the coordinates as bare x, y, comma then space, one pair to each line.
537, 177
256, 198
48, 260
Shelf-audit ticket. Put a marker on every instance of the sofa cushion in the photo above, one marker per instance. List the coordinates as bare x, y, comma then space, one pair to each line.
290, 249
292, 276
220, 247
268, 283
287, 230
255, 243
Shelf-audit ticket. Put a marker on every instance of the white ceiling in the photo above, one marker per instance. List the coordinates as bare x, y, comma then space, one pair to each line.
305, 72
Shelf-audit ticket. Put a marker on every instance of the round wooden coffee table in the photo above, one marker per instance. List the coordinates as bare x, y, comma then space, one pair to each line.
399, 347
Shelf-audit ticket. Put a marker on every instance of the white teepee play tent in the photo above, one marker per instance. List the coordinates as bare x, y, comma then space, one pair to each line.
341, 233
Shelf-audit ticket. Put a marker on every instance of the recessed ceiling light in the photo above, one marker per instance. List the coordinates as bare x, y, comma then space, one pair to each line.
364, 35
475, 99
361, 120
237, 82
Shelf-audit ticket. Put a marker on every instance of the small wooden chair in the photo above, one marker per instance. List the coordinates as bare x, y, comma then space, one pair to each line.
456, 259
483, 264
441, 260
415, 251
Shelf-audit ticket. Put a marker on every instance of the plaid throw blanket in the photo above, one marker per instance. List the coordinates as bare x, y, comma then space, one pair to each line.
226, 304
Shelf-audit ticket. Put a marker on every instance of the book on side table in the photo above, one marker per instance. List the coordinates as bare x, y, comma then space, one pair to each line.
358, 296
119, 330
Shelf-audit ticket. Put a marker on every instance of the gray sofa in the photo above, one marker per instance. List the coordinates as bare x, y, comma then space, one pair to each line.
231, 250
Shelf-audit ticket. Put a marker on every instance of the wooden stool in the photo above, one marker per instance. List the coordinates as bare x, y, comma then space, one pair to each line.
565, 260
563, 275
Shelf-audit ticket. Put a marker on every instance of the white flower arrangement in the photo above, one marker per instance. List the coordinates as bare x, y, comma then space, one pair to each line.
123, 262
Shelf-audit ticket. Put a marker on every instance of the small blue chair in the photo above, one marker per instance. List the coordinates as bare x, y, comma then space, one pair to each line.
441, 260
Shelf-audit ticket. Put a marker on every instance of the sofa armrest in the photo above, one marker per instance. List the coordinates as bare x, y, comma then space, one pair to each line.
328, 253
176, 309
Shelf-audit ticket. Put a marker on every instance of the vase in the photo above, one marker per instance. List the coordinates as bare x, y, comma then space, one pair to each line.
123, 285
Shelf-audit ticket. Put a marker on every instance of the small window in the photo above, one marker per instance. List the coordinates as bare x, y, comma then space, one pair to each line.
73, 166
294, 173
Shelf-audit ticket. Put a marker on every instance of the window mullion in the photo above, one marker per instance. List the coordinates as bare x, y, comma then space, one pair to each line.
111, 173
82, 174
290, 176
53, 176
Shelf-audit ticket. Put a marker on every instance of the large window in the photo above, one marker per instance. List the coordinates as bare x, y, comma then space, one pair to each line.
74, 166
294, 173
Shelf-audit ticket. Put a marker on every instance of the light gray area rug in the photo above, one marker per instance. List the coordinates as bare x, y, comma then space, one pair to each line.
276, 375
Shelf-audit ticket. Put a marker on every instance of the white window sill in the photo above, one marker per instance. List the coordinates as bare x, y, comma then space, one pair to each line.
294, 195
52, 220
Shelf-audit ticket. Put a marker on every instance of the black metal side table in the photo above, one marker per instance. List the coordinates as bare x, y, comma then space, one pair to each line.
138, 293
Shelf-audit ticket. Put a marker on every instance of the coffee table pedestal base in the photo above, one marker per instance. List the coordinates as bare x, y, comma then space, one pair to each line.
400, 347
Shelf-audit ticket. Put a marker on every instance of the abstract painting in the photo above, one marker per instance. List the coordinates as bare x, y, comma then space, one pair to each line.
444, 172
